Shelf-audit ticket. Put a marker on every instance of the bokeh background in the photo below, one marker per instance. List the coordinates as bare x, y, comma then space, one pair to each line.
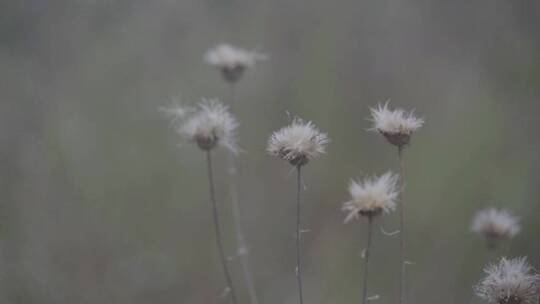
99, 204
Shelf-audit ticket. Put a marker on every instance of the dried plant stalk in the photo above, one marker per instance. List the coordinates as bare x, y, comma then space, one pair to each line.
242, 248
298, 234
217, 228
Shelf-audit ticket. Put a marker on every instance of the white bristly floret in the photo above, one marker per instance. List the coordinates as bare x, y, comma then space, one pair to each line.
511, 281
372, 196
298, 143
493, 223
226, 56
208, 125
391, 122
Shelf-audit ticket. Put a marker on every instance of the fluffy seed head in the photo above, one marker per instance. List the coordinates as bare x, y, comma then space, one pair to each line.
396, 125
232, 61
209, 124
495, 225
511, 281
372, 196
297, 143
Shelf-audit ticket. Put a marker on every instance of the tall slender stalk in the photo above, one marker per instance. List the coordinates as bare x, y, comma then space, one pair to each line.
298, 248
298, 144
401, 226
217, 228
366, 258
242, 248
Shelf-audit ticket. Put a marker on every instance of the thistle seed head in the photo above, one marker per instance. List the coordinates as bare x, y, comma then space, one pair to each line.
397, 125
297, 143
495, 225
511, 281
208, 125
232, 61
372, 196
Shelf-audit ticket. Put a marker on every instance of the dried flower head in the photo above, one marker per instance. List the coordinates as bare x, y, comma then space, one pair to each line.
372, 196
297, 143
232, 61
511, 281
495, 225
396, 125
209, 124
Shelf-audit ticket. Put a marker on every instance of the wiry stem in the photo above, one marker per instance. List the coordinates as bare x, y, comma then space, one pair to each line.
491, 255
232, 94
217, 228
242, 248
298, 249
366, 258
401, 227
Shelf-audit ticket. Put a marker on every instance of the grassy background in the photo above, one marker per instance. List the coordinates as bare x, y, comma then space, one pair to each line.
99, 205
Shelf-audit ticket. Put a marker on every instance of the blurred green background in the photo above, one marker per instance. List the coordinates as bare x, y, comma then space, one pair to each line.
100, 205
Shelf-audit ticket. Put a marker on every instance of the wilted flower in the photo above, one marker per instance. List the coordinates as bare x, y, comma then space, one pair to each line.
396, 125
372, 196
297, 143
208, 125
509, 282
495, 225
232, 61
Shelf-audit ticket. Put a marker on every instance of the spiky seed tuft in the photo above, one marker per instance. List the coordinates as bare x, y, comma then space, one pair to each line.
209, 124
371, 196
495, 225
397, 125
232, 61
510, 281
298, 143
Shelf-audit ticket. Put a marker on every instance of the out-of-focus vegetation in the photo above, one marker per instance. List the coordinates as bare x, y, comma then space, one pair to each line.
100, 205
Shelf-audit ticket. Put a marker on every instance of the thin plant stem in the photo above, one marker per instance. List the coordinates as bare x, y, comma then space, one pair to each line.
242, 249
401, 226
298, 248
217, 228
491, 255
366, 258
232, 95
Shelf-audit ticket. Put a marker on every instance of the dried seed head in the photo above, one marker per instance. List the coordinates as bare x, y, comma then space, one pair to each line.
372, 196
209, 124
511, 281
232, 61
495, 225
396, 125
297, 143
